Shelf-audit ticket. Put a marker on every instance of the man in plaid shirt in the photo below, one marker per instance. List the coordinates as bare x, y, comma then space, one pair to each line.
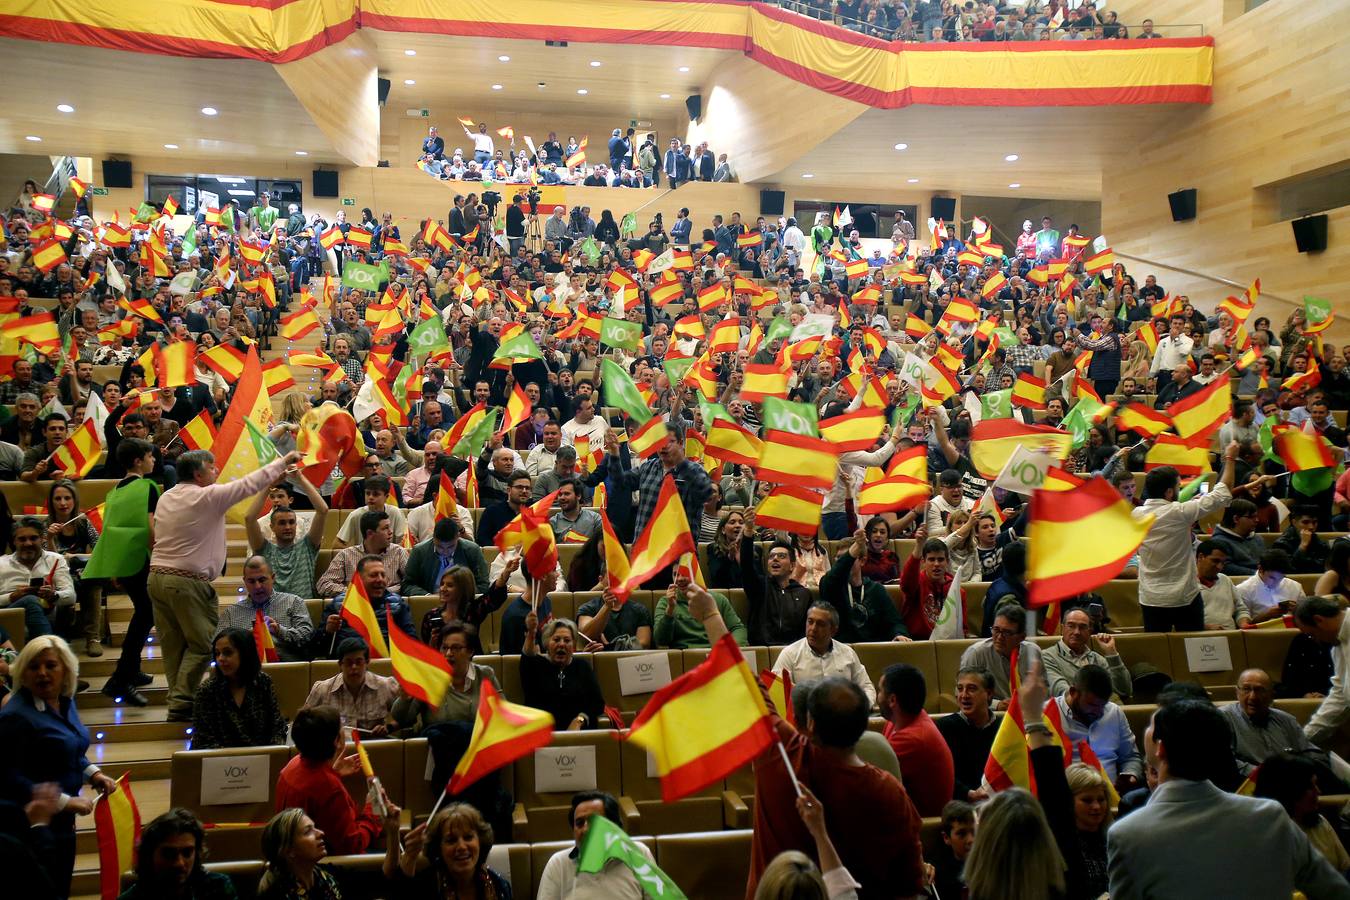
691, 480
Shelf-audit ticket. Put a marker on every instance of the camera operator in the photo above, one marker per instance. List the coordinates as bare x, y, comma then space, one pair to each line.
491, 199
655, 240
515, 224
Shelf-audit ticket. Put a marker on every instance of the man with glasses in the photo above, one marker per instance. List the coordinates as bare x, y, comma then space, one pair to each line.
1074, 651
1237, 536
994, 653
1224, 609
1259, 730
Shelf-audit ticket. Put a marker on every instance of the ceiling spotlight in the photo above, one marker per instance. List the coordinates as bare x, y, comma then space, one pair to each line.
582, 91
409, 82
902, 146
1015, 184
665, 96
595, 64
65, 108
807, 175
1011, 157
209, 111
409, 52
912, 180
302, 153
684, 68
503, 59
496, 87
170, 146
34, 138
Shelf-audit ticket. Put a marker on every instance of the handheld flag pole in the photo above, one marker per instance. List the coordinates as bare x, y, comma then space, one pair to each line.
796, 785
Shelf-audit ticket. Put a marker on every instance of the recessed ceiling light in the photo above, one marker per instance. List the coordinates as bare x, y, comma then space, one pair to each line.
496, 87
665, 96
807, 175
902, 146
595, 64
684, 68
409, 52
409, 81
582, 91
34, 138
302, 153
209, 111
1011, 157
65, 108
170, 146
1015, 184
912, 180
503, 58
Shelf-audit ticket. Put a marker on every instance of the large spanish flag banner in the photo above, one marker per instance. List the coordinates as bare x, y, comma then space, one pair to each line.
705, 724
790, 508
117, 824
1059, 563
503, 732
993, 441
360, 614
665, 539
422, 672
1009, 762
241, 445
1197, 418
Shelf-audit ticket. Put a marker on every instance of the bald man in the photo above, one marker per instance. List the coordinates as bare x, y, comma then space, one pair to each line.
417, 482
1260, 730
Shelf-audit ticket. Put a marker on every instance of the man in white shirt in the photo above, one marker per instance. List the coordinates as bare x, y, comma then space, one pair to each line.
1268, 594
794, 242
35, 580
1224, 609
950, 499
561, 881
1169, 590
1173, 350
585, 424
1324, 620
847, 482
542, 457
482, 144
819, 655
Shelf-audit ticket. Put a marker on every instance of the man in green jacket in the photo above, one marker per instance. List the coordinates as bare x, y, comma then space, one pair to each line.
676, 629
866, 611
439, 553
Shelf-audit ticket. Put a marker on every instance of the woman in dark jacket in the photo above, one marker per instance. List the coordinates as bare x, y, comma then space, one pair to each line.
237, 706
607, 231
556, 681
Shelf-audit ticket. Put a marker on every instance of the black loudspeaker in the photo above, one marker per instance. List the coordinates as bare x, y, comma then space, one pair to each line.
943, 208
1183, 205
771, 203
116, 173
1310, 234
382, 87
325, 183
694, 104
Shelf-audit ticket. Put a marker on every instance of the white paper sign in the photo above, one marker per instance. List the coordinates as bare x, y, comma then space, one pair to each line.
1208, 654
235, 779
913, 370
1099, 243
643, 673
564, 770
1025, 471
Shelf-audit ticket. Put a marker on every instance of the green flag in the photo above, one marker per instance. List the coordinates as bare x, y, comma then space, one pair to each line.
900, 417
1313, 481
780, 327
628, 227
263, 448
794, 418
428, 336
522, 346
1006, 336
1315, 309
1121, 315
146, 213
620, 333
711, 410
996, 405
1190, 489
190, 240
361, 277
617, 389
124, 545
1266, 438
605, 841
676, 368
590, 249
471, 444
1078, 421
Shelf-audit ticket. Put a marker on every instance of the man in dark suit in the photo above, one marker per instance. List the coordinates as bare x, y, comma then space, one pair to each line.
434, 145
1181, 386
705, 164
455, 223
445, 549
671, 164
618, 149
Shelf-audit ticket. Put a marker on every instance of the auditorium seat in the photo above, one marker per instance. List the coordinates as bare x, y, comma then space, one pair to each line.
711, 865
948, 657
13, 622
1221, 684
514, 862
922, 655
607, 672
758, 658
542, 814
292, 682
1266, 648
700, 812
237, 824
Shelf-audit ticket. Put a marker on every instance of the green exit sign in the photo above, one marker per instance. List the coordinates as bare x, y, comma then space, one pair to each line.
348, 201
99, 191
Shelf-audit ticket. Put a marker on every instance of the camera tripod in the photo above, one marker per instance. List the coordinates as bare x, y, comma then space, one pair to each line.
534, 236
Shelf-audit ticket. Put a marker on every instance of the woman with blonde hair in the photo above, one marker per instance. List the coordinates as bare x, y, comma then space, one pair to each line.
1015, 855
447, 857
1092, 816
292, 847
1138, 363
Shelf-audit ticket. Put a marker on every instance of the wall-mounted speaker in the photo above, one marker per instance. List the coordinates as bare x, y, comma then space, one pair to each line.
1310, 234
382, 88
116, 173
694, 104
943, 208
325, 183
771, 203
1183, 205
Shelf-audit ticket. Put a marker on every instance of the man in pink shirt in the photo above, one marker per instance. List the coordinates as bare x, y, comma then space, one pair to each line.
189, 552
925, 760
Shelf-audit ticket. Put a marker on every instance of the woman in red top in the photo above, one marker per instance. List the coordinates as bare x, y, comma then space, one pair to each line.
881, 564
923, 587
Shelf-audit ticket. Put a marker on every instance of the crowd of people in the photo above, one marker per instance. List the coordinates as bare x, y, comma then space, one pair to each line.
710, 314
946, 21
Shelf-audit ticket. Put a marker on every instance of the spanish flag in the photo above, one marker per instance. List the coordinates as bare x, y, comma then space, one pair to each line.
993, 284
911, 463
689, 328
199, 433
790, 508
538, 547
797, 459
359, 237
1170, 450
616, 560
705, 724
471, 487
917, 328
1009, 762
503, 732
892, 493
117, 826
648, 440
1029, 392
79, 453
143, 308
360, 614
993, 441
38, 329
855, 268
1056, 479
446, 508
176, 364
702, 377
277, 376
1302, 381
750, 239
854, 431
224, 359
764, 380
44, 202
262, 639
1059, 563
731, 443
423, 673
663, 541
711, 297
959, 310
1198, 417
1142, 420
517, 410
1301, 451
667, 292
298, 324
725, 337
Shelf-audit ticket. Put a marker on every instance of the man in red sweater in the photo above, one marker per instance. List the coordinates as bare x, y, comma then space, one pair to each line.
925, 760
924, 582
312, 781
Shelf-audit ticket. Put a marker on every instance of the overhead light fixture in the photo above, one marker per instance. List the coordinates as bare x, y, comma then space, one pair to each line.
1011, 157
595, 64
503, 58
409, 82
236, 192
807, 175
170, 146
684, 68
912, 180
665, 96
496, 87
302, 153
409, 52
1015, 184
34, 138
209, 111
582, 91
65, 108
902, 146
229, 179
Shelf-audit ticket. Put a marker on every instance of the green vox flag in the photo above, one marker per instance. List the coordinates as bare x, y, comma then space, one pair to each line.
190, 240
263, 448
900, 417
591, 250
1190, 489
711, 410
361, 277
617, 389
146, 213
428, 336
605, 841
780, 327
996, 405
1315, 309
676, 368
522, 346
124, 544
471, 444
1266, 438
794, 418
1006, 336
1078, 421
628, 226
620, 333
1312, 481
